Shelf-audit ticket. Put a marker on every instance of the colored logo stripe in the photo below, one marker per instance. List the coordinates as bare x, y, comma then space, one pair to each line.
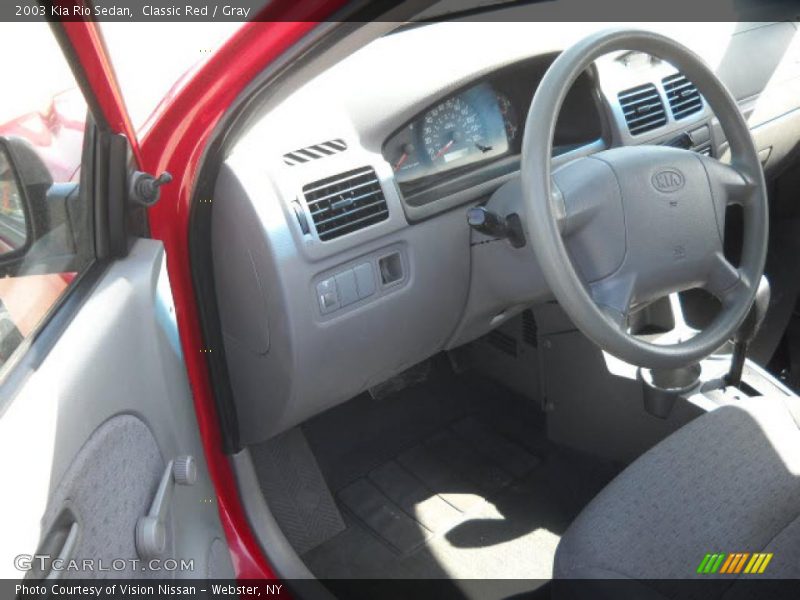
710, 563
734, 563
728, 562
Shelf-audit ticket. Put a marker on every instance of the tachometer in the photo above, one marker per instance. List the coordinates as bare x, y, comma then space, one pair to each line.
453, 130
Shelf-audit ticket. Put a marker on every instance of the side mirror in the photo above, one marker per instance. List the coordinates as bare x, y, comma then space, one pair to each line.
15, 223
33, 215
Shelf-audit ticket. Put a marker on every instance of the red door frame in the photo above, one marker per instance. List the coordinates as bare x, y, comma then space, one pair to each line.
176, 142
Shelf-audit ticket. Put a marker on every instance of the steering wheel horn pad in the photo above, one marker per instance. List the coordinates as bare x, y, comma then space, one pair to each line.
628, 225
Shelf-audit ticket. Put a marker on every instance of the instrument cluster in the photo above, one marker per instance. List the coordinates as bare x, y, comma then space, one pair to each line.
476, 125
475, 134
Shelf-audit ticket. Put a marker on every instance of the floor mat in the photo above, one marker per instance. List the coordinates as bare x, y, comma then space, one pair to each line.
431, 488
295, 490
450, 479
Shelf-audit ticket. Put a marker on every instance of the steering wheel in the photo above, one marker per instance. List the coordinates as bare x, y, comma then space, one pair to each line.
626, 226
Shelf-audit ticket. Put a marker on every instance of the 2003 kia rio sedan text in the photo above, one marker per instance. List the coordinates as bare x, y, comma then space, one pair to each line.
455, 295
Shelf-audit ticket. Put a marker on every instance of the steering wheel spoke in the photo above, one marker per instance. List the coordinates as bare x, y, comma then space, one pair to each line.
729, 184
614, 297
740, 191
726, 282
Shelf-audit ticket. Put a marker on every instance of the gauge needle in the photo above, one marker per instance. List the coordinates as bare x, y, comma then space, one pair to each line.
400, 162
444, 149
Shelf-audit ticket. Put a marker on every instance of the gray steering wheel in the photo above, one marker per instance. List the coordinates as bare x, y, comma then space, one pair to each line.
629, 225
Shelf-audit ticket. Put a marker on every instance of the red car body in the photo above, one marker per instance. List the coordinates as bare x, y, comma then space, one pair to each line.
176, 141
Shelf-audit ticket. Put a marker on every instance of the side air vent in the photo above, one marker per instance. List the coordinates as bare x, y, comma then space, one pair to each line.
346, 202
643, 108
309, 153
682, 95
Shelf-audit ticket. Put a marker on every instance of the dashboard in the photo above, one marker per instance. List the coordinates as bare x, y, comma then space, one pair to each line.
342, 254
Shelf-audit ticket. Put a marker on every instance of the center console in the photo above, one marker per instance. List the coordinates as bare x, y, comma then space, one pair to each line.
599, 404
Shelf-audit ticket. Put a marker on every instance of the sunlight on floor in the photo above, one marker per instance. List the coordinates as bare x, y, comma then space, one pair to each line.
478, 547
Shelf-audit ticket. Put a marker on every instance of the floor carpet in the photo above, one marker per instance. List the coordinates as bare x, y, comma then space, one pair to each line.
449, 479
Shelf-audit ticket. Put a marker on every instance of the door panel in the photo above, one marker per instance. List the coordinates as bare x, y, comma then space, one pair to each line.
102, 494
94, 427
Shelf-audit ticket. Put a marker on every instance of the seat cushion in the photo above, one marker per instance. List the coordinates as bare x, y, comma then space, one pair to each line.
729, 481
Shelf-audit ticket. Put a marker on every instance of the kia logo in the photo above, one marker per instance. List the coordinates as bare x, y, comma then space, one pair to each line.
668, 180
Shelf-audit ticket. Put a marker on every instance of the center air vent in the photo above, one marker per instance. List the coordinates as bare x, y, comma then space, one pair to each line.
304, 155
682, 95
643, 108
346, 202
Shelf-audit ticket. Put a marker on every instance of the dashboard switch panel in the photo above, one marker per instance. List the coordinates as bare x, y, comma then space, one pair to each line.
327, 295
346, 285
351, 286
365, 280
391, 268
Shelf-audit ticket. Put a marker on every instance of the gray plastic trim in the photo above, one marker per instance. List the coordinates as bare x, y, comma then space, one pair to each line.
316, 361
418, 213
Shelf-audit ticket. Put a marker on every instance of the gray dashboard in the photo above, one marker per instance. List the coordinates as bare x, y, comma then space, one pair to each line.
330, 278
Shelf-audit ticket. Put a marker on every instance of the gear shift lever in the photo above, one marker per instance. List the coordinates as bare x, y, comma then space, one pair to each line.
747, 331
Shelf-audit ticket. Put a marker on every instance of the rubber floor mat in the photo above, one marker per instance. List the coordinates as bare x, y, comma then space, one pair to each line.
295, 490
434, 486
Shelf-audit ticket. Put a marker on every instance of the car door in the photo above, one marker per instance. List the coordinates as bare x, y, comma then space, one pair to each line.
103, 468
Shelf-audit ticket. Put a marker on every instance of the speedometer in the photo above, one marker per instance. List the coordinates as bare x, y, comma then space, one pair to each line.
464, 129
453, 130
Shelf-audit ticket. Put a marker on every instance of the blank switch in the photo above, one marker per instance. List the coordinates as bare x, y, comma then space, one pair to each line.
346, 284
365, 280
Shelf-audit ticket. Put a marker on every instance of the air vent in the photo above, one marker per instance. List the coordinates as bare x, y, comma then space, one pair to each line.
309, 153
682, 95
643, 108
530, 331
346, 202
502, 342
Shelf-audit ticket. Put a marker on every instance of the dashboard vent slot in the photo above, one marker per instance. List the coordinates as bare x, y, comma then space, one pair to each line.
643, 108
682, 95
530, 331
502, 342
346, 202
309, 153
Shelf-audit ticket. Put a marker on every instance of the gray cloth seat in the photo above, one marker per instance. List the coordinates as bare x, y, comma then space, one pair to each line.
729, 481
